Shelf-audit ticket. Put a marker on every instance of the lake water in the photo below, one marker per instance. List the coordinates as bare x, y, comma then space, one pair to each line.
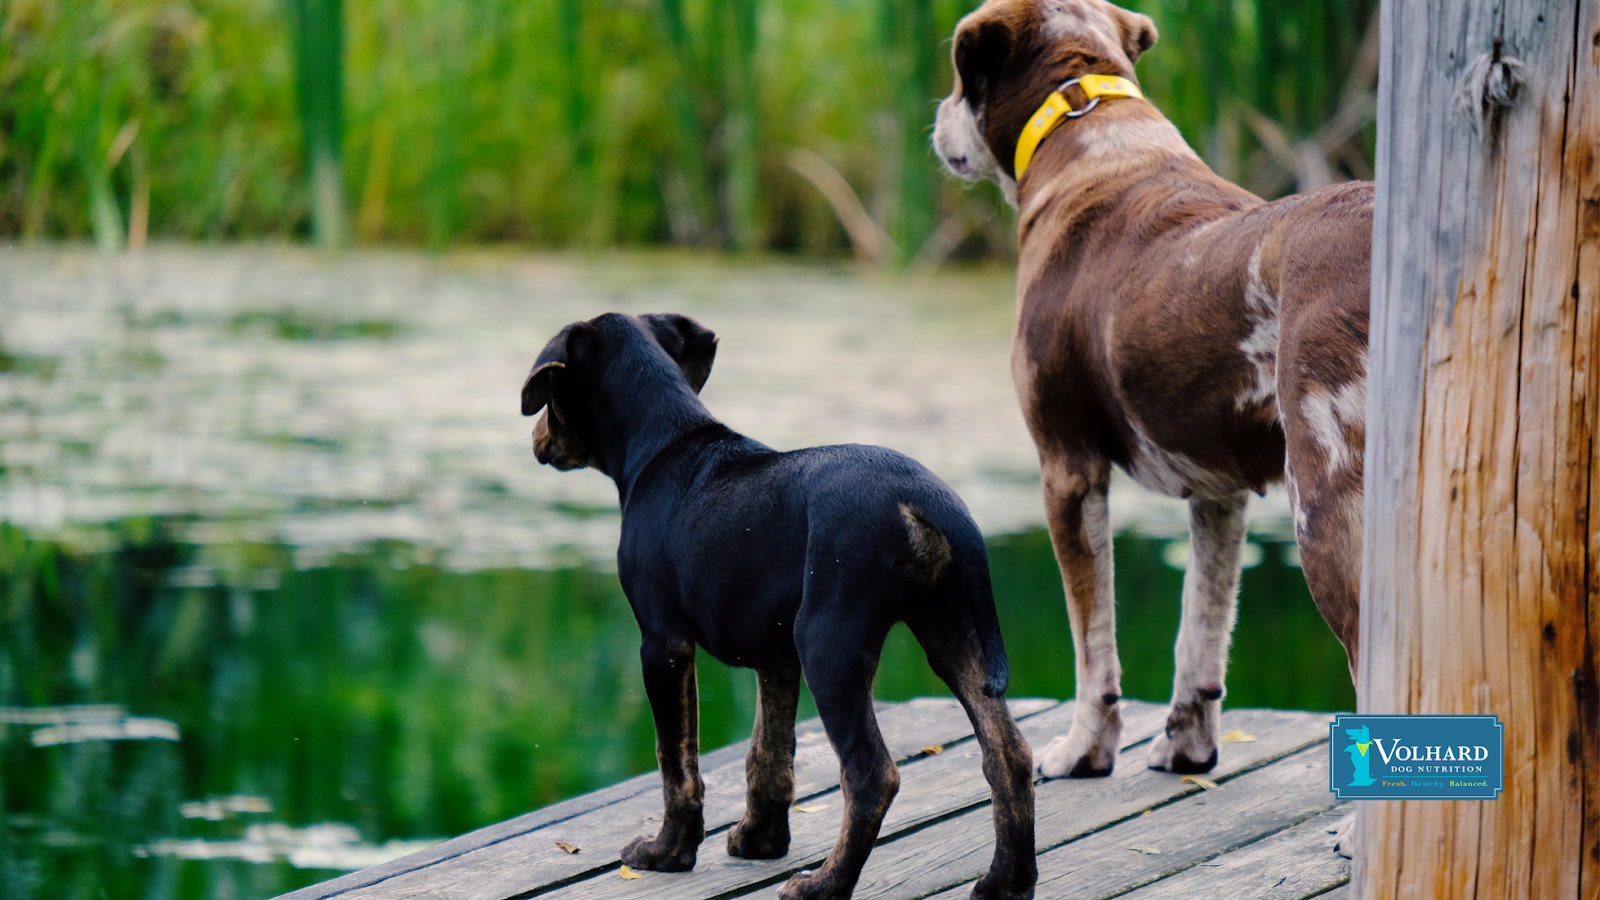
283, 592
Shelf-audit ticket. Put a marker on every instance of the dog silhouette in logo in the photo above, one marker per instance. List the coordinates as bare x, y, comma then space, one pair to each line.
1360, 741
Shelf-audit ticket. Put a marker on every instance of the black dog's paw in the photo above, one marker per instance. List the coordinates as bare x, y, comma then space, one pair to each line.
990, 887
819, 885
769, 840
646, 853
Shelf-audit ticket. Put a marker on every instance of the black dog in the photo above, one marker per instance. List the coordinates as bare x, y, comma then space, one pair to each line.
784, 563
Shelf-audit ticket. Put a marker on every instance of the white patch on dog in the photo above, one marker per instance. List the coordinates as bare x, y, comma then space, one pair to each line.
1293, 485
1173, 474
1260, 346
1121, 140
1064, 17
1328, 414
958, 140
1101, 641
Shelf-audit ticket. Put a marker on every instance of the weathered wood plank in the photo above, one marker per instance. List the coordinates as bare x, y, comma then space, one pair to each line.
1244, 809
958, 850
932, 788
634, 808
532, 862
1191, 831
1291, 865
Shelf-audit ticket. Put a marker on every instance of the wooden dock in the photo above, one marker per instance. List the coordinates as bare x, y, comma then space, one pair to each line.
1261, 831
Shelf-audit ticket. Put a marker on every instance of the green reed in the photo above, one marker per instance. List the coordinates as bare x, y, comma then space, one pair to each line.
587, 123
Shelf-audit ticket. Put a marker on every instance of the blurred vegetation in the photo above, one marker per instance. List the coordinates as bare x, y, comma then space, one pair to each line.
729, 123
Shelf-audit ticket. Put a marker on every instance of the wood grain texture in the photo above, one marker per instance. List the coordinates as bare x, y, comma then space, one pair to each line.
939, 834
931, 788
1286, 866
1093, 825
1066, 809
1479, 592
634, 805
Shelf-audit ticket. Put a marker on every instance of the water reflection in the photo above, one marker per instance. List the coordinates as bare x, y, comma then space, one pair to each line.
329, 718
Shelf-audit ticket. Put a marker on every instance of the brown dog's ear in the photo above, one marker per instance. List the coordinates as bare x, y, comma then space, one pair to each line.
536, 390
1138, 33
691, 345
981, 48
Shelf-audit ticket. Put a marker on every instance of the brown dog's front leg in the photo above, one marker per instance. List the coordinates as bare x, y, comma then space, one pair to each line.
1080, 530
763, 833
669, 682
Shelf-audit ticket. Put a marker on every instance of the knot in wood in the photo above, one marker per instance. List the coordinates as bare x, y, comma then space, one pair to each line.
1488, 87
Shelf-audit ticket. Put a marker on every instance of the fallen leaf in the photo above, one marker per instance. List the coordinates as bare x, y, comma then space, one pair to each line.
1206, 783
1147, 851
629, 873
933, 751
1147, 812
1237, 737
815, 807
566, 846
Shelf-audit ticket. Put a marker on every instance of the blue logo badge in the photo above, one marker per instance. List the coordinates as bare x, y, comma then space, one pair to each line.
1416, 757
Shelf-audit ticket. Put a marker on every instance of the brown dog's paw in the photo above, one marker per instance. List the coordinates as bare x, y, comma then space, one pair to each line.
1070, 757
645, 853
1344, 842
1191, 757
767, 840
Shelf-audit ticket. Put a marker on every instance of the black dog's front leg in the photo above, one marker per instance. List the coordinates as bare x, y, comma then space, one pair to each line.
763, 833
669, 682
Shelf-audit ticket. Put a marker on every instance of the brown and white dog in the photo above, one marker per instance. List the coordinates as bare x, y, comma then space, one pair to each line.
1175, 325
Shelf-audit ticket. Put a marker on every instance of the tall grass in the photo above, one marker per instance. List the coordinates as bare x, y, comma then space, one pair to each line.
588, 122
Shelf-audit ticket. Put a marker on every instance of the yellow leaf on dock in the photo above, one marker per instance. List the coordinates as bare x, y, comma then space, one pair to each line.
629, 873
1237, 737
815, 807
566, 846
933, 751
1206, 783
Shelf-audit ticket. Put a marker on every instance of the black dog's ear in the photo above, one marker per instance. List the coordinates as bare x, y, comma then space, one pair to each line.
691, 345
536, 390
982, 46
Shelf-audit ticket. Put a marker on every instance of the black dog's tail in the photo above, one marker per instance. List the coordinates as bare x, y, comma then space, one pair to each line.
979, 594
972, 562
950, 537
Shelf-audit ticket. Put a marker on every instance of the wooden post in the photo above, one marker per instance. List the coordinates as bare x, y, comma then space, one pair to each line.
1481, 568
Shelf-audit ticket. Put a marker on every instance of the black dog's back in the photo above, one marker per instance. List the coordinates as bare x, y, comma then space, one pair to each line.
743, 537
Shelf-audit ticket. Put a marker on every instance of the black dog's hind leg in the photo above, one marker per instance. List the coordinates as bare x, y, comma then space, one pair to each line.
956, 657
840, 659
669, 682
763, 833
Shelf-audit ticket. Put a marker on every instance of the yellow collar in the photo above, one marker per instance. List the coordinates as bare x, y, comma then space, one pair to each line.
1056, 108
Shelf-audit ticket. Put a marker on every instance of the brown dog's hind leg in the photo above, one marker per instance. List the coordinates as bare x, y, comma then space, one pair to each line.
839, 668
956, 658
1210, 595
1080, 531
669, 682
763, 833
